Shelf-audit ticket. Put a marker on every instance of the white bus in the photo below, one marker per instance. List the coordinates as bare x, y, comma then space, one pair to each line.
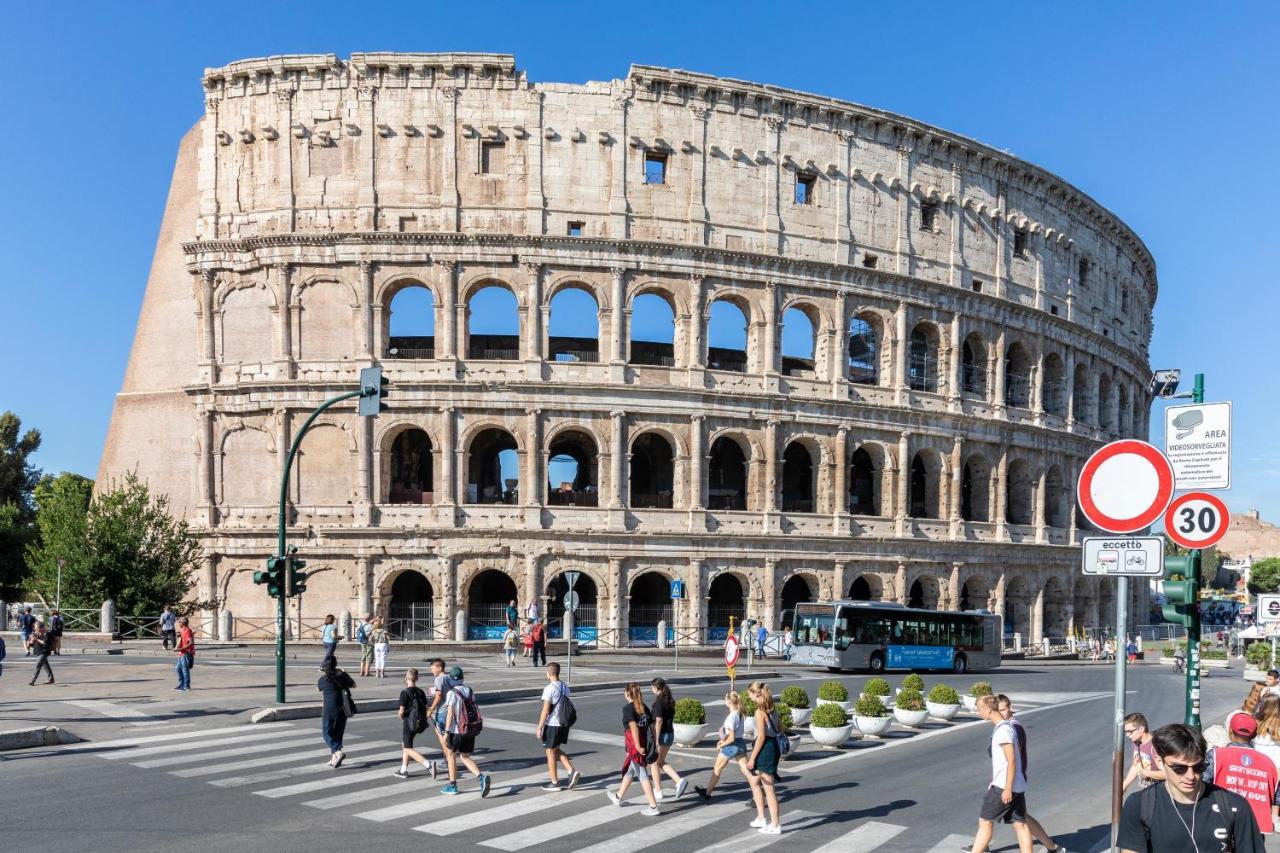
876, 636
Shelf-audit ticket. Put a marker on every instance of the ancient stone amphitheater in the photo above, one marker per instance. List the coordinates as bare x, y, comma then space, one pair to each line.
780, 346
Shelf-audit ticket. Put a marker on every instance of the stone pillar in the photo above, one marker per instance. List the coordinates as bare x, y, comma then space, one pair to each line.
691, 615
619, 597
1002, 494
697, 461
1037, 390
840, 476
283, 441
284, 162
957, 484
618, 216
449, 457
844, 241
449, 197
838, 369
535, 197
1037, 617
697, 227
769, 593
365, 496
697, 324
771, 466
533, 582
284, 317
366, 310
366, 590
535, 468
209, 590
450, 604
903, 497
839, 579
533, 318
1037, 508
366, 156
953, 588
953, 365
208, 482
900, 584
618, 453
997, 374
209, 350
447, 287
903, 347
1069, 387
769, 361
771, 227
618, 295
1070, 477
107, 618
998, 596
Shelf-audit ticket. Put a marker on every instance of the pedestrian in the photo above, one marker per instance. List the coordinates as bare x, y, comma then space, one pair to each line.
335, 686
533, 612
440, 687
186, 654
366, 647
1146, 769
414, 721
1242, 768
56, 625
539, 634
1005, 799
1268, 716
788, 639
1273, 682
329, 638
732, 746
765, 755
1186, 814
381, 641
637, 734
762, 636
513, 615
664, 712
1131, 651
168, 628
40, 649
1005, 706
554, 723
27, 627
462, 724
526, 640
509, 645
1108, 650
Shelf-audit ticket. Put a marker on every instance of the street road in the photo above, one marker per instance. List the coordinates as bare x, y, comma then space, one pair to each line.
216, 783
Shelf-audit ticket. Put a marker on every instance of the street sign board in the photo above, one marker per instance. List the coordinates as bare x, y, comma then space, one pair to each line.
1125, 486
1269, 609
571, 578
730, 651
1197, 440
1197, 520
571, 601
677, 589
1130, 556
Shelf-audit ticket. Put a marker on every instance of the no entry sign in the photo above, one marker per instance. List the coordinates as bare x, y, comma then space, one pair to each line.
1197, 520
1125, 486
730, 651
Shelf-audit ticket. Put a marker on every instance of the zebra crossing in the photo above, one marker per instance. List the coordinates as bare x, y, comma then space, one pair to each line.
281, 762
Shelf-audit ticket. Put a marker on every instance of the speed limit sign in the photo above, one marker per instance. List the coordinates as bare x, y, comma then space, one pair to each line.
1197, 520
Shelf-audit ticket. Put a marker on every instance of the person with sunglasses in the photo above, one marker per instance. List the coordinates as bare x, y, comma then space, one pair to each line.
1186, 814
1246, 770
1146, 769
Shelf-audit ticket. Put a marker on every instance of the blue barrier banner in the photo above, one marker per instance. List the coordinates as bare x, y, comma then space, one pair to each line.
920, 657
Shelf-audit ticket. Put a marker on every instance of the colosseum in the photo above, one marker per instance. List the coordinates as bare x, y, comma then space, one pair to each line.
779, 346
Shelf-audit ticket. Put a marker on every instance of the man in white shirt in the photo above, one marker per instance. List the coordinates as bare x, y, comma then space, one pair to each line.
533, 612
1005, 800
553, 729
1273, 682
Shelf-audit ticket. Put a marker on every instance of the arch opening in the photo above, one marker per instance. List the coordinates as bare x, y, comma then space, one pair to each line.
1080, 396
727, 337
922, 360
650, 603
584, 616
864, 482
974, 593
412, 469
411, 323
795, 591
409, 612
727, 476
924, 499
653, 330
1017, 377
573, 470
864, 350
573, 329
973, 367
493, 325
725, 598
487, 599
975, 490
797, 479
652, 479
866, 587
1055, 386
493, 468
925, 593
799, 337
1019, 488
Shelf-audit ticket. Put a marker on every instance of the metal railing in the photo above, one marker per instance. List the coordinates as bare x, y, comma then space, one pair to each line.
730, 364
263, 628
974, 379
585, 356
80, 619
650, 359
574, 498
148, 628
1017, 390
422, 353
487, 354
659, 501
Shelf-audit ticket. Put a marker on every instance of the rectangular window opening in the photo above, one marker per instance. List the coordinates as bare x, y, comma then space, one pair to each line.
928, 215
493, 157
869, 261
1084, 272
804, 188
1053, 309
575, 229
977, 286
1020, 243
655, 167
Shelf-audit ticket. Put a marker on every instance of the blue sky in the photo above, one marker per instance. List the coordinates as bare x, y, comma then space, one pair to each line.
1167, 113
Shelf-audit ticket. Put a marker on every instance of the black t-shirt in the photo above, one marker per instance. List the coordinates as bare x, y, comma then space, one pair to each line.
407, 697
666, 709
1170, 829
641, 719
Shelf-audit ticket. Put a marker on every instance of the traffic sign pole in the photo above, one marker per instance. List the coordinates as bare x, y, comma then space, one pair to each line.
1117, 758
572, 579
1193, 629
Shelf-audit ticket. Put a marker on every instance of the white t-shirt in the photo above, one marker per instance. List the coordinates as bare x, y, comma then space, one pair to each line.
1273, 689
1003, 734
454, 701
733, 723
553, 693
533, 612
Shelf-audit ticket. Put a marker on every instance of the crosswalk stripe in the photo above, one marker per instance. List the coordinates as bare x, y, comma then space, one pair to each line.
119, 712
293, 754
199, 733
211, 743
254, 749
546, 832
951, 843
275, 775
338, 779
574, 734
413, 785
752, 839
693, 817
864, 838
437, 804
519, 808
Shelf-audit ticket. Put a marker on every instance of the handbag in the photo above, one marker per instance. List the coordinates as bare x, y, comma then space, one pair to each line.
348, 704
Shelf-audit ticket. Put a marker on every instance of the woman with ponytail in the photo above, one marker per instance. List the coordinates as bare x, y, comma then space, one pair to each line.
637, 727
664, 712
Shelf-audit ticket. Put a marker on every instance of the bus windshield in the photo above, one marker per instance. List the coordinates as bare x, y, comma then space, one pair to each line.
814, 627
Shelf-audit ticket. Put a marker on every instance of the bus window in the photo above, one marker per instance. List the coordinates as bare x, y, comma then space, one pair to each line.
812, 628
842, 633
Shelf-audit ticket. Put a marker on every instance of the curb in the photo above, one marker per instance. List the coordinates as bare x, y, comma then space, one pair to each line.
36, 736
309, 711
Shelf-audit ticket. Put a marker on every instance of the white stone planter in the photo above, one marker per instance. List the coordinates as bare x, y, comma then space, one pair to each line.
873, 726
749, 726
846, 705
830, 738
941, 711
970, 702
795, 744
687, 734
801, 716
911, 719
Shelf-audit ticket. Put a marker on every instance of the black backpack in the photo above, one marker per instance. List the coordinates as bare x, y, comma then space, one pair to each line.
418, 717
568, 713
1147, 811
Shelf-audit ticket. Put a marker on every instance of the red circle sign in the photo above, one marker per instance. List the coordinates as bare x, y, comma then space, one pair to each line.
1197, 520
730, 651
1125, 486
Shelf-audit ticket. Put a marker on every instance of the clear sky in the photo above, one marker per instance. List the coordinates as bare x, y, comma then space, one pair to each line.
1166, 113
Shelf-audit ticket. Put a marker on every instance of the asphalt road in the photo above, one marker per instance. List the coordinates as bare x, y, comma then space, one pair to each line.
211, 786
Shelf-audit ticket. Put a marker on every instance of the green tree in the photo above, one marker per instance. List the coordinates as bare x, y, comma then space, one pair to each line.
62, 508
1264, 577
16, 532
18, 478
1209, 560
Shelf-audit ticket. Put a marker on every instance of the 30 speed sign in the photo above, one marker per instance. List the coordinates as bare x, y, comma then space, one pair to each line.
1196, 520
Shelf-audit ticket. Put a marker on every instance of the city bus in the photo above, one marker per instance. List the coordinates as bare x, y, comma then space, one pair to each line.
879, 636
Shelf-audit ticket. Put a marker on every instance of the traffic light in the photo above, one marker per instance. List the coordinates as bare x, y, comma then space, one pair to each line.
273, 577
373, 391
1181, 589
297, 577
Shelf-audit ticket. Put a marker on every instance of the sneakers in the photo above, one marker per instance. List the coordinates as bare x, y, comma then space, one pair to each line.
657, 794
759, 823
431, 767
551, 786
574, 780
652, 811
338, 758
771, 829
451, 788
333, 758
484, 784
681, 787
614, 798
702, 792
402, 773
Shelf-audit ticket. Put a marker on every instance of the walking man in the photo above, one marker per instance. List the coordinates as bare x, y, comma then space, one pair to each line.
1240, 768
762, 636
27, 627
1186, 814
168, 628
40, 648
1146, 769
553, 728
462, 724
363, 630
440, 687
539, 634
1005, 800
414, 721
55, 632
186, 654
513, 615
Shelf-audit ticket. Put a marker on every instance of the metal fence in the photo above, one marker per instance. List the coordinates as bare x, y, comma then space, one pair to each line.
148, 628
80, 619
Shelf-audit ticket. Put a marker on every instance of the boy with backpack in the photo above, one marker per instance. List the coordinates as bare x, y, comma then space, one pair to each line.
413, 713
509, 645
558, 716
363, 630
462, 723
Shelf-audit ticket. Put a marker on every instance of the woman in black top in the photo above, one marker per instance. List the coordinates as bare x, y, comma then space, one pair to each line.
664, 712
635, 726
332, 685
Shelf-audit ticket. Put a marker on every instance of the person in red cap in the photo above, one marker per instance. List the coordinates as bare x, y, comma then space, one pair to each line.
1241, 768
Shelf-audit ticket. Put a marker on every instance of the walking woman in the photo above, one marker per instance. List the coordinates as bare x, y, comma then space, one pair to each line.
333, 685
329, 637
636, 721
41, 645
733, 747
381, 642
664, 712
765, 755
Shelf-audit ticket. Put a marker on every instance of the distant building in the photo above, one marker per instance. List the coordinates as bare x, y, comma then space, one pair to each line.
1250, 538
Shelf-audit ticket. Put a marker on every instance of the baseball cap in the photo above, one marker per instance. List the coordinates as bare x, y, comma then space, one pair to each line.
1243, 725
456, 673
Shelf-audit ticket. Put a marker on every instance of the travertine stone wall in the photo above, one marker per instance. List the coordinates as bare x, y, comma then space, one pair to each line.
1008, 313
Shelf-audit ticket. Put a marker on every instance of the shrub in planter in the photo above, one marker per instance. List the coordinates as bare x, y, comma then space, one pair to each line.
944, 694
829, 717
784, 714
1258, 655
980, 688
748, 706
833, 691
910, 700
795, 697
913, 682
877, 687
690, 712
870, 706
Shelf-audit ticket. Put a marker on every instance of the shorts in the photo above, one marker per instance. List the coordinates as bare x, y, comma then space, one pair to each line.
667, 738
464, 744
366, 653
735, 749
638, 772
767, 760
554, 737
407, 734
439, 719
994, 809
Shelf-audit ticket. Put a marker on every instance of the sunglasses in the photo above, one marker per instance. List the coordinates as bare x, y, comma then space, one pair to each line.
1181, 769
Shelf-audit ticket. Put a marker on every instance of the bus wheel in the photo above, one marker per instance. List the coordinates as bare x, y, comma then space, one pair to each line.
960, 665
877, 662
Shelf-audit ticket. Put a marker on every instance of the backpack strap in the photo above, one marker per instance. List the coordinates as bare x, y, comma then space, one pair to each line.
1147, 809
1228, 814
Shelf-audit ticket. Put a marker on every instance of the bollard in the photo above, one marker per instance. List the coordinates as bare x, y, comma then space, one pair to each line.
662, 634
1017, 642
227, 627
344, 625
460, 626
108, 617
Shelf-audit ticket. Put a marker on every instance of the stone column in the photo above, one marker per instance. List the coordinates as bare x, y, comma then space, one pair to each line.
447, 281
839, 579
844, 202
619, 597
367, 194
449, 602
449, 196
1037, 617
997, 374
618, 332
838, 369
998, 596
535, 469
697, 301
903, 498
366, 310
697, 227
533, 581
209, 345
953, 588
953, 366
618, 218
1037, 508
619, 454
366, 584
903, 346
284, 328
692, 608
768, 591
769, 361
365, 496
1070, 477
1002, 495
208, 482
957, 483
697, 459
283, 442
1037, 390
900, 584
209, 584
449, 457
1069, 387
535, 198
771, 227
533, 318
771, 466
840, 476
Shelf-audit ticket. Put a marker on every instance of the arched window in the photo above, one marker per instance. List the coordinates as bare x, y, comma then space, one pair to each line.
1017, 377
795, 591
864, 350
1106, 404
653, 329
410, 608
798, 343
975, 490
1080, 409
573, 470
1053, 493
411, 325
727, 476
1055, 386
650, 604
797, 479
493, 468
725, 598
411, 469
487, 599
1122, 405
573, 330
652, 472
864, 483
727, 337
1018, 491
922, 362
973, 367
493, 325
924, 496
